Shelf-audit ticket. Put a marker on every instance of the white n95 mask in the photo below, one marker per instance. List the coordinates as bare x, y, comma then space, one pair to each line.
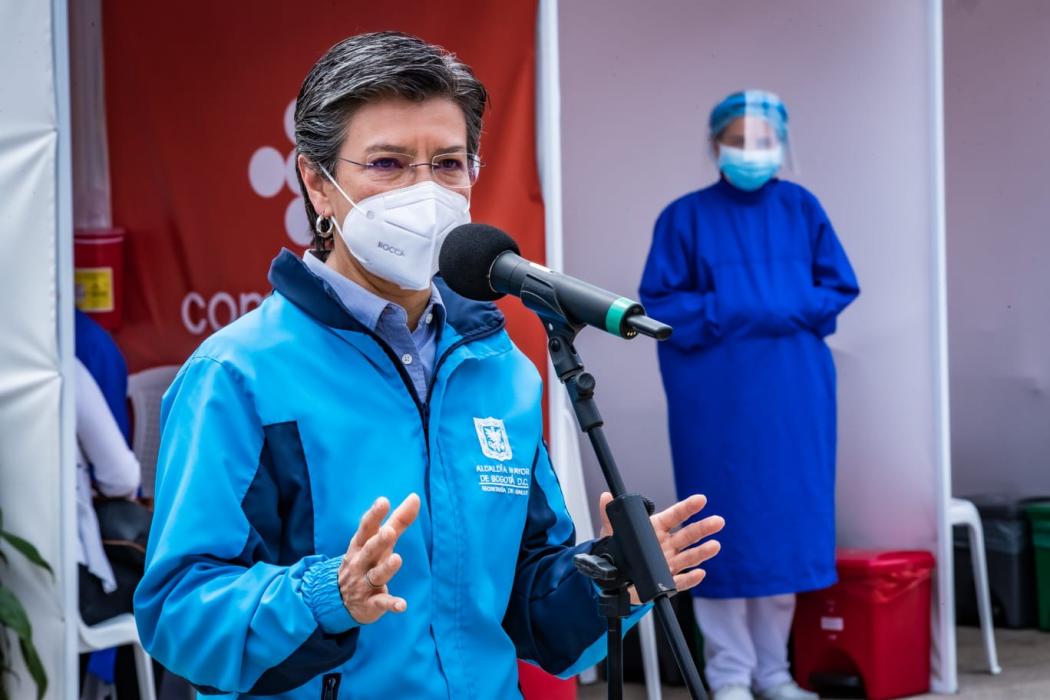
397, 235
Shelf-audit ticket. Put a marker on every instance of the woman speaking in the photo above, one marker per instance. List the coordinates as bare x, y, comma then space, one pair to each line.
276, 564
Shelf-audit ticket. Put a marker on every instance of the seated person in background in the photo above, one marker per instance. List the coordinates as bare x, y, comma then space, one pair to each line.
107, 470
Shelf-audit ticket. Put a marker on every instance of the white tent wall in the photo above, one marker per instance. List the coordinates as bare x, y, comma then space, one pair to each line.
862, 83
564, 441
36, 482
997, 105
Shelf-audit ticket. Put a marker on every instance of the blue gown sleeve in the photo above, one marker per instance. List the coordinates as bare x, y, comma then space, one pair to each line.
834, 282
208, 607
97, 350
552, 616
676, 287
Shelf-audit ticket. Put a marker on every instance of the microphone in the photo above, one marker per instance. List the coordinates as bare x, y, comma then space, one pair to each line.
481, 262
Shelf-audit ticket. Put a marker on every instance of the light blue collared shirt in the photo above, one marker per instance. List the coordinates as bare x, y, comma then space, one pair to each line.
416, 350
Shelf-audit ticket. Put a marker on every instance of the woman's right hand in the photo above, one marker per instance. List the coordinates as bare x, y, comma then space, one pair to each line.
370, 561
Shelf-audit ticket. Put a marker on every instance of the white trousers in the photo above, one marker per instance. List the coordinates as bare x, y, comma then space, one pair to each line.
745, 640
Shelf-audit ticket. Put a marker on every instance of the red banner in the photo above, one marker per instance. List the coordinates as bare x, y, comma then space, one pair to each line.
199, 98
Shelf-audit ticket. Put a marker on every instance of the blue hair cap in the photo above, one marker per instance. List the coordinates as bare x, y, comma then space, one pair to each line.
757, 103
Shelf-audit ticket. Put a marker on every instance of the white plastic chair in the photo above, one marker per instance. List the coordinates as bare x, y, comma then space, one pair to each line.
116, 632
145, 390
964, 513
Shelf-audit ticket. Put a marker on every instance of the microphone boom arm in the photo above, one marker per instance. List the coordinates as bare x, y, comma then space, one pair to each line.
625, 318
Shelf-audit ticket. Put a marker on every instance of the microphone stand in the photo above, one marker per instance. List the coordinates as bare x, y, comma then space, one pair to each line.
633, 554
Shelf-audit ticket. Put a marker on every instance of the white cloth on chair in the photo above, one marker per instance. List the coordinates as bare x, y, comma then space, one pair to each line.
101, 447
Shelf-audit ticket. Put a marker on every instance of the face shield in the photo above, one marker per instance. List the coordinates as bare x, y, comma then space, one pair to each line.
749, 130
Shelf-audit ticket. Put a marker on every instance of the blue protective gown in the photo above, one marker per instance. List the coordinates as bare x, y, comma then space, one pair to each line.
752, 283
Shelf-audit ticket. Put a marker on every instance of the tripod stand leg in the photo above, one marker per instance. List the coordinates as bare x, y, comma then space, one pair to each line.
615, 658
674, 636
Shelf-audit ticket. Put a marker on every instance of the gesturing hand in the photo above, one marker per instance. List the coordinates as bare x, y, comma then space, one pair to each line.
677, 544
370, 561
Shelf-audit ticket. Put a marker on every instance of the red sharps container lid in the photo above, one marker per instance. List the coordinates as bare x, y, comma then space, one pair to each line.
870, 563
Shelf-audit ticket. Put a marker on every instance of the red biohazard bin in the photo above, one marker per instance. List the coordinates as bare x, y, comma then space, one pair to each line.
539, 685
873, 626
98, 274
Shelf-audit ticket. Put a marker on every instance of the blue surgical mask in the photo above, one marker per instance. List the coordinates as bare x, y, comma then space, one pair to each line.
749, 169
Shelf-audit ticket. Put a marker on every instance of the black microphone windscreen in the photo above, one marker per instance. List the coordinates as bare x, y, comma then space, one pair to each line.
467, 256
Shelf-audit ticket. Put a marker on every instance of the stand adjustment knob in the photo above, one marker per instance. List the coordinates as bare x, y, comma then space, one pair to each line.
595, 567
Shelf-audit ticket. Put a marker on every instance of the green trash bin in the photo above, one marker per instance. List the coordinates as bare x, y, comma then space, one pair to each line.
1039, 514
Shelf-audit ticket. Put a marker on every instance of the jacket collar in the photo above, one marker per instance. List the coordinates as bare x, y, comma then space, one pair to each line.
315, 297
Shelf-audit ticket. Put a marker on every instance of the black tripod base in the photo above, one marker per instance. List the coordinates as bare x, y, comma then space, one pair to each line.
614, 603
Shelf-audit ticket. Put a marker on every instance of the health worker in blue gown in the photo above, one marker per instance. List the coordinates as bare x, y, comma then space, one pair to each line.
751, 275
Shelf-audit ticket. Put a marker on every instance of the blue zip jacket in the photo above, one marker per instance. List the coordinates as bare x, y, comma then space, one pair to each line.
279, 432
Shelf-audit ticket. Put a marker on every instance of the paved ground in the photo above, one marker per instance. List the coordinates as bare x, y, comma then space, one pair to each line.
1023, 654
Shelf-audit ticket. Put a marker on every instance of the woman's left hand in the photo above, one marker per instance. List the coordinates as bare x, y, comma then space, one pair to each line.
676, 541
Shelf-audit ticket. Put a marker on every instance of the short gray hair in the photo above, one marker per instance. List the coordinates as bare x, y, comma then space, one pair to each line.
374, 66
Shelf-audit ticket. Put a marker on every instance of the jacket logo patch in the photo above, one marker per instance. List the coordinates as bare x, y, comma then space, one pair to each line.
492, 435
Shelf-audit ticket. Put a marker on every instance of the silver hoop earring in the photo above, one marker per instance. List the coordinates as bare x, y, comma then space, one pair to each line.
323, 226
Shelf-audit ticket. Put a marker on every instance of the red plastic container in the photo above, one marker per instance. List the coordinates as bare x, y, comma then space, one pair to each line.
98, 274
539, 685
873, 624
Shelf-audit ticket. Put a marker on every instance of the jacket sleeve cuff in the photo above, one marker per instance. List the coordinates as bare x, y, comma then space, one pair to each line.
321, 593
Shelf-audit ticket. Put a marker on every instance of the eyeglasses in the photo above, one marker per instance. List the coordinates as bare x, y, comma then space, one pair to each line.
453, 170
